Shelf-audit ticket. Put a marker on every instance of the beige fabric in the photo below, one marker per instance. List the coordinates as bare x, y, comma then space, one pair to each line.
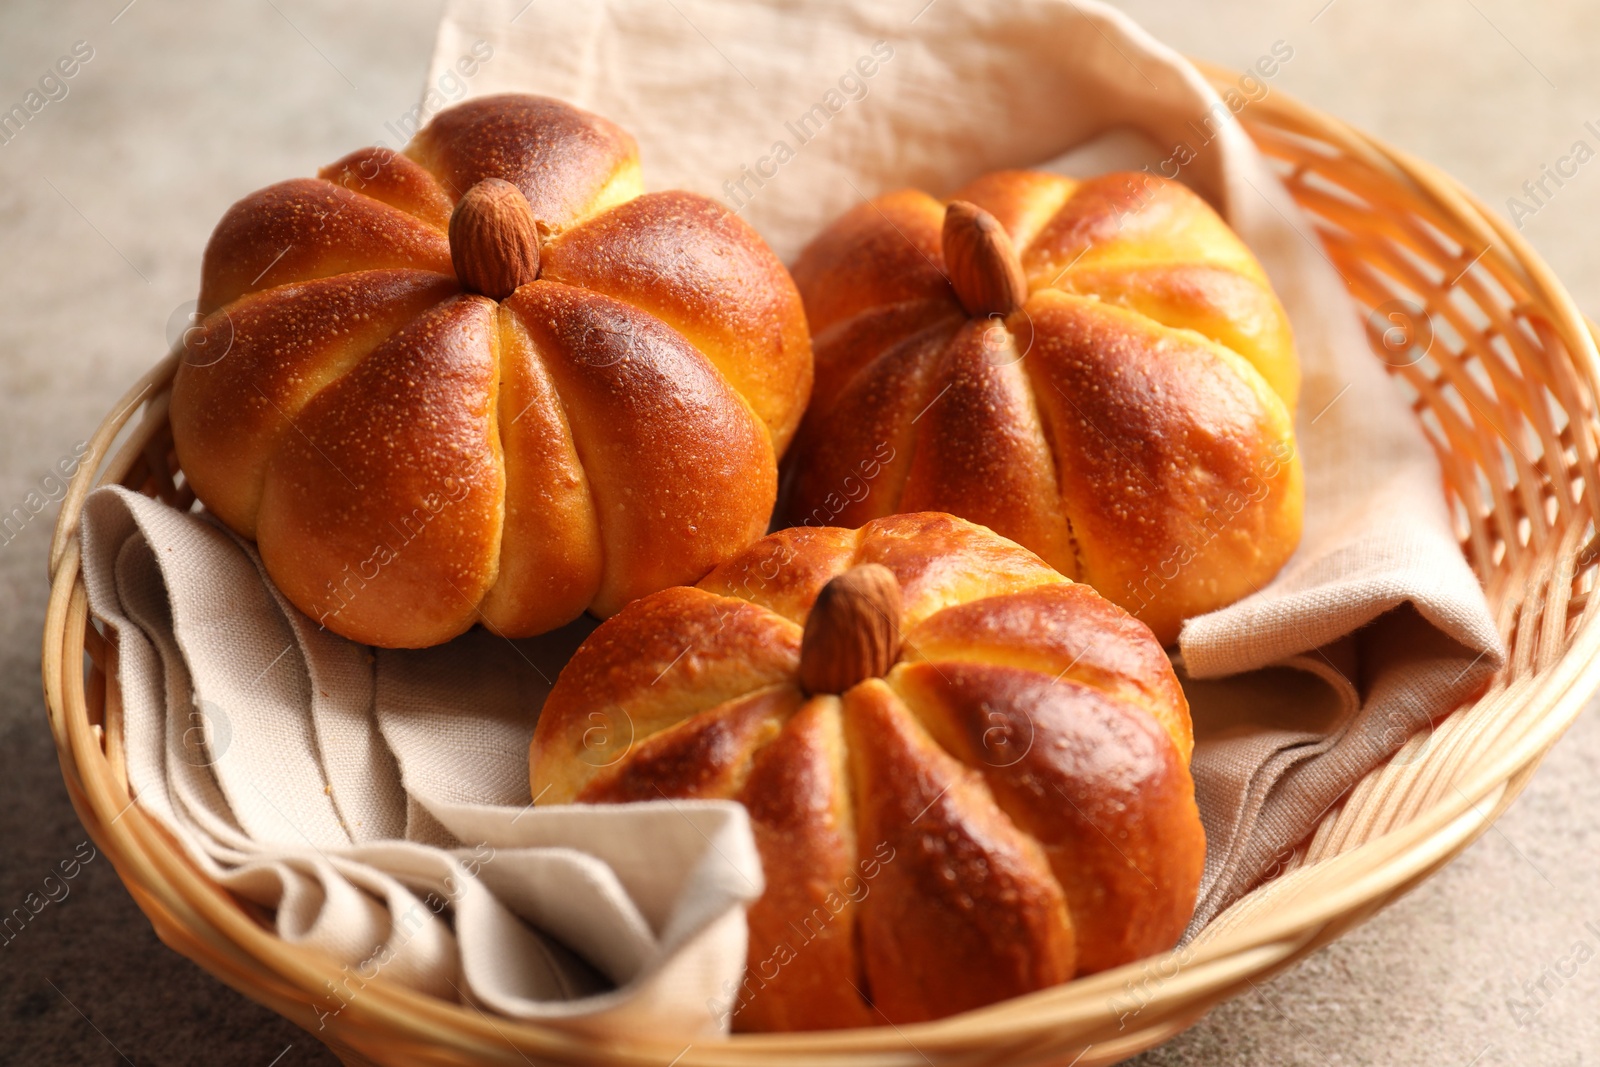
344, 788
368, 798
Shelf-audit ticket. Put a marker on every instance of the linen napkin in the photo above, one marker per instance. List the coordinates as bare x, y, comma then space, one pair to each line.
378, 801
792, 113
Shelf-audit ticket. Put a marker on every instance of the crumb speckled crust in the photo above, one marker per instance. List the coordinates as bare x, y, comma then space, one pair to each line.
1010, 806
1131, 422
702, 270
413, 459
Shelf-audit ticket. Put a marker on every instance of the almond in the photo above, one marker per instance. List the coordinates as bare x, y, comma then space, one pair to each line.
984, 267
494, 240
853, 631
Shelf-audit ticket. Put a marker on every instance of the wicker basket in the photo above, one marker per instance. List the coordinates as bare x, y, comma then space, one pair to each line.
1506, 393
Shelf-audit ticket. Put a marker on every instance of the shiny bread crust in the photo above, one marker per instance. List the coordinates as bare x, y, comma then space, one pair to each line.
1131, 421
619, 430
1010, 806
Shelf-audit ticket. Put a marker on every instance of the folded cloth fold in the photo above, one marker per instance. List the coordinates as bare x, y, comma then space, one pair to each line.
379, 804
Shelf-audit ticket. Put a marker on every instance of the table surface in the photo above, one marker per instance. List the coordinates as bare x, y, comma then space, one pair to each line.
106, 200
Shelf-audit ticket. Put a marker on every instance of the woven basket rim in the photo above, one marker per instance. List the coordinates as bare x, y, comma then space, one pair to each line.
201, 919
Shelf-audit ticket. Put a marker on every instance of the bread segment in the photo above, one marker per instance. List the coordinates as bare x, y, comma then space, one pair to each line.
672, 655
966, 910
1095, 781
940, 560
1178, 469
852, 461
551, 556
1064, 631
247, 372
307, 228
570, 164
805, 968
882, 252
783, 571
1023, 201
981, 451
696, 266
1220, 304
847, 347
394, 179
706, 756
382, 510
681, 470
1124, 218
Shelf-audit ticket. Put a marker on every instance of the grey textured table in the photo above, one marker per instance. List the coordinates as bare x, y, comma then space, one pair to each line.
106, 199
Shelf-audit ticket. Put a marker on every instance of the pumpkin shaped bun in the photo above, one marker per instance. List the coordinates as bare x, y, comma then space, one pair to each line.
968, 776
488, 378
1098, 370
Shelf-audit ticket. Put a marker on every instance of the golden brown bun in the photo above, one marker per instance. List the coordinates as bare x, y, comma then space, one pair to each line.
413, 459
1009, 806
1131, 420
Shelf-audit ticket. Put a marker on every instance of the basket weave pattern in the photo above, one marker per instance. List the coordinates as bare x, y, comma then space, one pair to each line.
1502, 371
